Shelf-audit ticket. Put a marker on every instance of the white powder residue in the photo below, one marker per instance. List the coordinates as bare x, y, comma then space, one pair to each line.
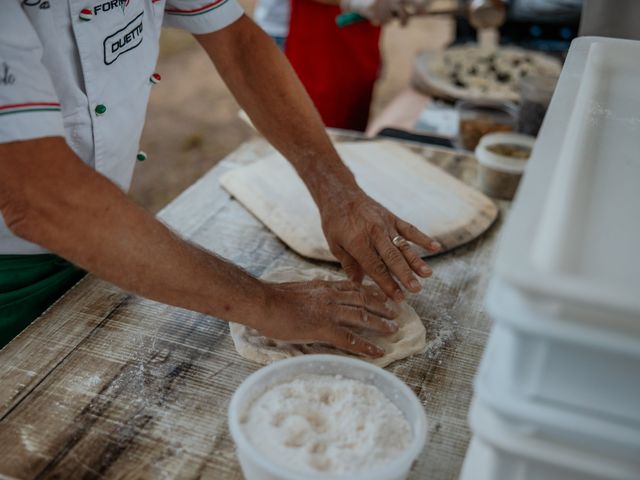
327, 424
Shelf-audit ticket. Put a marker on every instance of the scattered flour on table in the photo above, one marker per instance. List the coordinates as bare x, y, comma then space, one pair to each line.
326, 424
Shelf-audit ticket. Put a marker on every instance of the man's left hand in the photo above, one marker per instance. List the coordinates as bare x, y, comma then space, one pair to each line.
368, 239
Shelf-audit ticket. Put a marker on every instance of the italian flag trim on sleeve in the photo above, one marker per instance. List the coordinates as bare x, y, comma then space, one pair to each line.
29, 107
198, 11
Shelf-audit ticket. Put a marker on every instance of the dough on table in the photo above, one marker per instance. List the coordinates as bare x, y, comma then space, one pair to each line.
408, 340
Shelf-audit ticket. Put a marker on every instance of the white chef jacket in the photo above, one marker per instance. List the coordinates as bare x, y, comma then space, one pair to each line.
63, 62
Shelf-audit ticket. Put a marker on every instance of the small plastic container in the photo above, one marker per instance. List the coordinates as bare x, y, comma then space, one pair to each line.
256, 466
499, 174
503, 450
478, 118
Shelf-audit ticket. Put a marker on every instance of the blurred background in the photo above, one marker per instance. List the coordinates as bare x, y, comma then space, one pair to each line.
192, 119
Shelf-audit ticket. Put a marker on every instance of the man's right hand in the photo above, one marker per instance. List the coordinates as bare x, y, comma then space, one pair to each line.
329, 313
50, 197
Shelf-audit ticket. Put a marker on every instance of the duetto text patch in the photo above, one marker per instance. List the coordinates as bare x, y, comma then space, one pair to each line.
123, 40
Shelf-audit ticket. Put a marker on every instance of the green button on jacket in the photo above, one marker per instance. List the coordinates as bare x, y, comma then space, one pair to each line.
28, 285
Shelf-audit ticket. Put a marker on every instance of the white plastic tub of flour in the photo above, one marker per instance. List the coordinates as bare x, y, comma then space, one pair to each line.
503, 450
257, 466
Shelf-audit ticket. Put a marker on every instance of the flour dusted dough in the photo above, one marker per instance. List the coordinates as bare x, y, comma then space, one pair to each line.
408, 340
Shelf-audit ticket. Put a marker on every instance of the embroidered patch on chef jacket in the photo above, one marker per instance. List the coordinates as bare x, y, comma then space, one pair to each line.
42, 4
124, 40
110, 6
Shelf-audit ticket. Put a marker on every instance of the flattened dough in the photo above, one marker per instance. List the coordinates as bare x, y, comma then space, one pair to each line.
408, 340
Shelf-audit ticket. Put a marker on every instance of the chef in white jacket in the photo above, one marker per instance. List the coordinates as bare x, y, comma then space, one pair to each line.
75, 78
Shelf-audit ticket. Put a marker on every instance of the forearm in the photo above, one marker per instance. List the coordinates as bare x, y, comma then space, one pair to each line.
75, 212
267, 88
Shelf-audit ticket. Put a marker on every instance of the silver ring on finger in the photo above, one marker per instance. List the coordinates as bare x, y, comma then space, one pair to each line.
399, 241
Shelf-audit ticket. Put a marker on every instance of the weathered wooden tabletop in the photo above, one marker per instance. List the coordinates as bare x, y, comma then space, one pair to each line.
108, 384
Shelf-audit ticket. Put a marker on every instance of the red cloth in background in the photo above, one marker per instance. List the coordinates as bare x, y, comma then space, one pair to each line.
338, 66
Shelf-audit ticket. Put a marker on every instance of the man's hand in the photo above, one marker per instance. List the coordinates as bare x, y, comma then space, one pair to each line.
327, 312
360, 233
48, 196
382, 11
358, 229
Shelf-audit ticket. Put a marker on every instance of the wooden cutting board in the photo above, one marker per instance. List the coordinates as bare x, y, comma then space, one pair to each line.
409, 186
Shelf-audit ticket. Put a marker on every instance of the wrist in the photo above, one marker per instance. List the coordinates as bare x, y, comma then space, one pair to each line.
270, 310
230, 293
339, 197
328, 188
260, 305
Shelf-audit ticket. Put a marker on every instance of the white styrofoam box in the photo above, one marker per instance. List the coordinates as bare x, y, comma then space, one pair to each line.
537, 354
502, 451
572, 236
547, 420
563, 366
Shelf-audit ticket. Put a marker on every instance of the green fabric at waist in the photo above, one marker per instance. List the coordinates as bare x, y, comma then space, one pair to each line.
28, 285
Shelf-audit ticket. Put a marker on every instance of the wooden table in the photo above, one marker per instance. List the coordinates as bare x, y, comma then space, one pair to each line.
108, 384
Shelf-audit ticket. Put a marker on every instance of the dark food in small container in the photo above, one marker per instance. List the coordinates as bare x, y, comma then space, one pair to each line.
502, 158
478, 119
510, 150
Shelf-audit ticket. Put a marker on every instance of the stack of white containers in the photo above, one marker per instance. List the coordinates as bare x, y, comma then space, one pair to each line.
557, 395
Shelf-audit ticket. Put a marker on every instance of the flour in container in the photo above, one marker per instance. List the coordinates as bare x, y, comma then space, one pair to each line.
326, 424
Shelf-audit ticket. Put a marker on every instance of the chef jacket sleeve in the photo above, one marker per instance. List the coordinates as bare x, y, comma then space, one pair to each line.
201, 16
29, 106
